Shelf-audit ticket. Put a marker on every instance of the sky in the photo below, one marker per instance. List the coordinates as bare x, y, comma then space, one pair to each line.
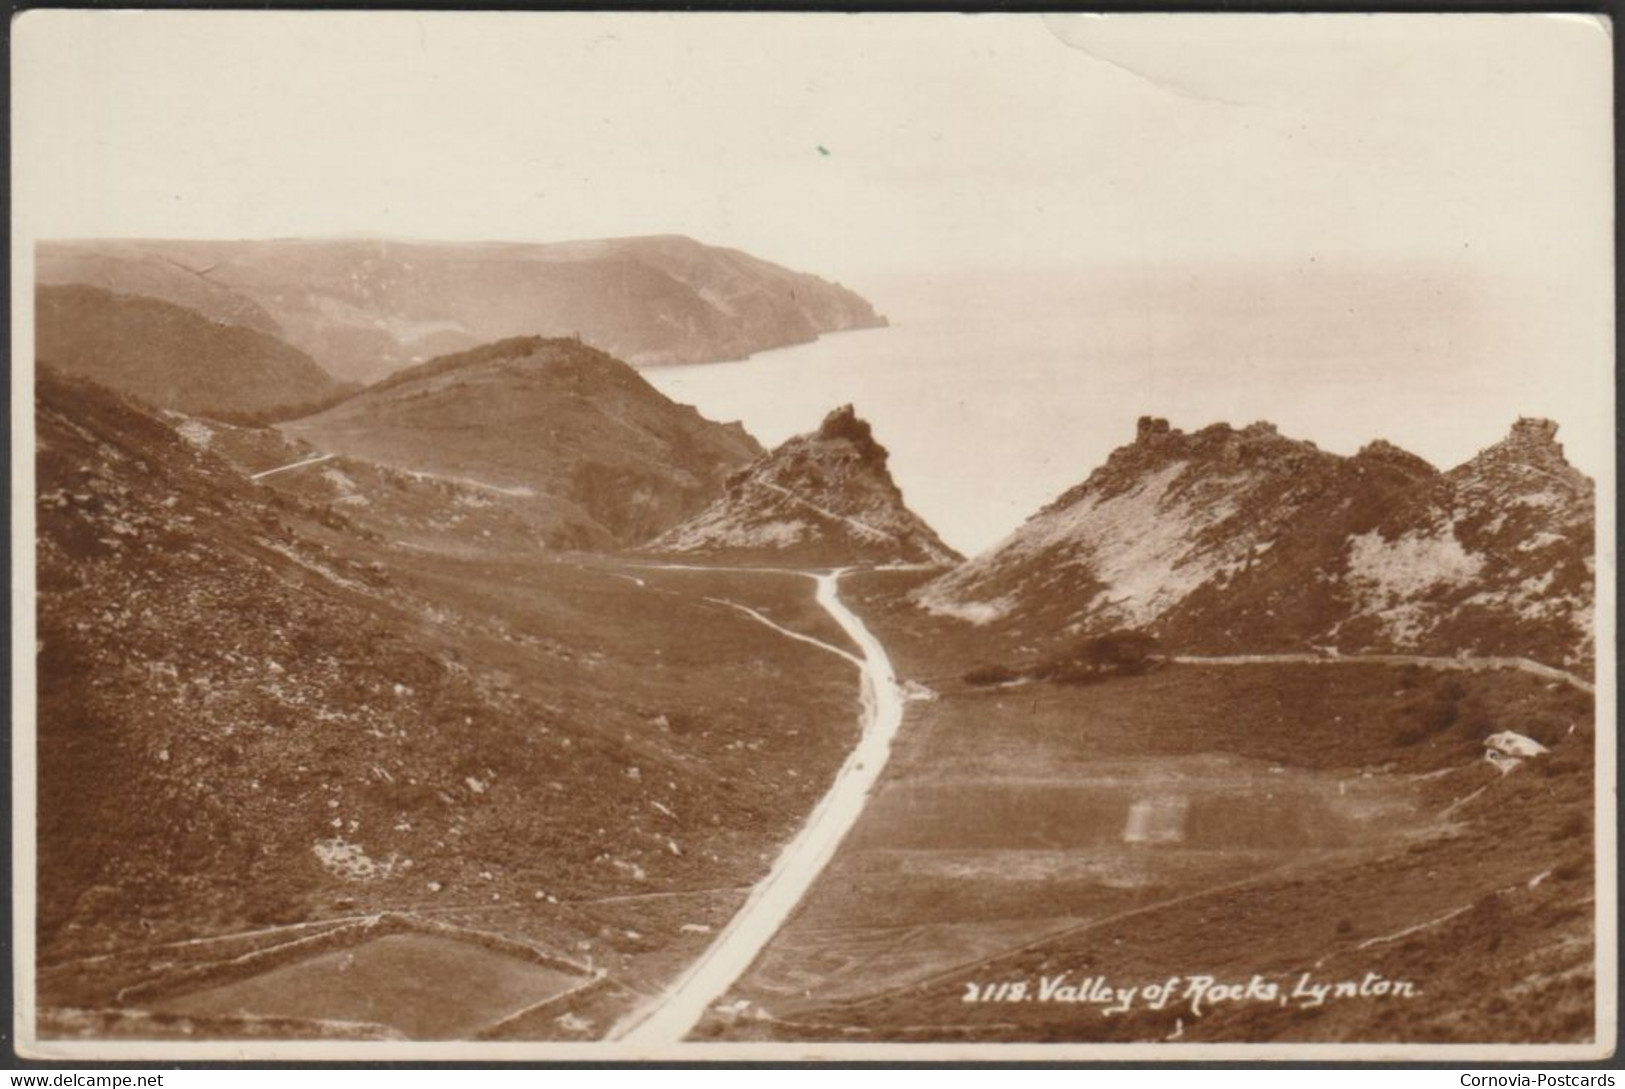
1399, 187
850, 145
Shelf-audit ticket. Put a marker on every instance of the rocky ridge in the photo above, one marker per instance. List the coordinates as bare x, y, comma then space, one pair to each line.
1242, 540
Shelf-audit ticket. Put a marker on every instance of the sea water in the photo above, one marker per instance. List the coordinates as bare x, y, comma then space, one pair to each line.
996, 393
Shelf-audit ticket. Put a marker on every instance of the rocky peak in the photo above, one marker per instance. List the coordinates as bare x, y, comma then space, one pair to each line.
1534, 429
1529, 449
1151, 428
1217, 450
1381, 452
844, 423
1258, 444
821, 497
1531, 439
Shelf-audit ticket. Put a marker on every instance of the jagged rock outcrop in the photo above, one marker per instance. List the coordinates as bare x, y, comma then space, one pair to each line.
1242, 540
1496, 557
822, 498
364, 308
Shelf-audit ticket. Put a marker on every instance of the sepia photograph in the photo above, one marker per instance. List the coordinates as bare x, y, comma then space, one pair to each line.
812, 537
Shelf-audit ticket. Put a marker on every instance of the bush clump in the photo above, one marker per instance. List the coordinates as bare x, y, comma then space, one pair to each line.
988, 676
1447, 705
1117, 653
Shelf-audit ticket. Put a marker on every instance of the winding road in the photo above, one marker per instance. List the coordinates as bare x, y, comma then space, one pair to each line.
670, 1017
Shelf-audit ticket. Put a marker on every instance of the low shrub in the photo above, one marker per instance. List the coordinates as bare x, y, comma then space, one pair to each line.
1116, 653
1408, 736
988, 676
1574, 826
1559, 764
1473, 718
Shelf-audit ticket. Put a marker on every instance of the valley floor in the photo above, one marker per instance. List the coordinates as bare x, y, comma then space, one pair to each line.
1036, 852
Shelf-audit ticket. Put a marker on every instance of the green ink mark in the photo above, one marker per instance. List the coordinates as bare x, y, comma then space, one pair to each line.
822, 150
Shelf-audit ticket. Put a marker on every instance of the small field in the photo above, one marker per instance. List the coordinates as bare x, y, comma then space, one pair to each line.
1214, 804
425, 987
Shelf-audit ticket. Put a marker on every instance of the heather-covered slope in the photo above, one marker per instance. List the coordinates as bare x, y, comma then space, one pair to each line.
365, 308
171, 356
249, 716
564, 427
444, 516
820, 498
1245, 541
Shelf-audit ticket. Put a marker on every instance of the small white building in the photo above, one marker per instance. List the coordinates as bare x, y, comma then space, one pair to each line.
1506, 750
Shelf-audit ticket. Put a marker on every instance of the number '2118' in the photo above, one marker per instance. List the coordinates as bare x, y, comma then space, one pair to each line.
1007, 991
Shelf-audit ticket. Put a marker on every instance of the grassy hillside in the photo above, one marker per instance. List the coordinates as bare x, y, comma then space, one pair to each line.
172, 357
365, 308
561, 425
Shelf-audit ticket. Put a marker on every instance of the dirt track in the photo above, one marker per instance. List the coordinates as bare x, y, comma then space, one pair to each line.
1465, 664
671, 1017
